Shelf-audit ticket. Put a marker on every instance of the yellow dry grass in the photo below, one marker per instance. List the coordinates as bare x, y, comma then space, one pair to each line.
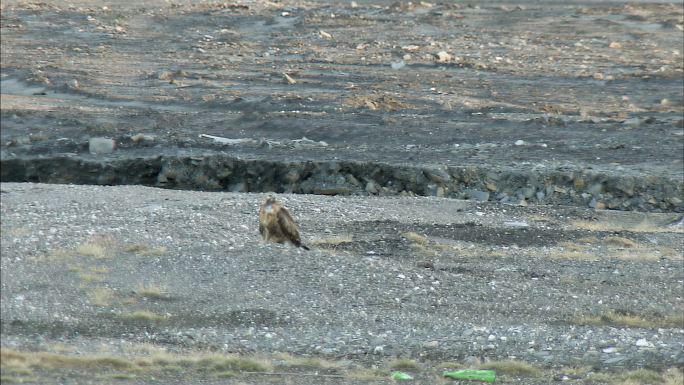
621, 242
312, 362
367, 374
612, 247
144, 315
645, 226
512, 368
91, 250
673, 376
404, 364
24, 362
416, 238
153, 291
142, 249
630, 320
101, 296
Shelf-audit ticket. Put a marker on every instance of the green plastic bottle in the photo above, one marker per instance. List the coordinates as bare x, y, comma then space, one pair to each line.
401, 376
471, 374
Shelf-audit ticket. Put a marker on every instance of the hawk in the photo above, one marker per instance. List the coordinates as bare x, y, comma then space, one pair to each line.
276, 224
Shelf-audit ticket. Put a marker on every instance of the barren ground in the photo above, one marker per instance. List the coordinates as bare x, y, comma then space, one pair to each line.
540, 113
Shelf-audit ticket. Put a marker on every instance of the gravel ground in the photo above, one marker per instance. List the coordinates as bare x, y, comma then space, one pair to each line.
425, 279
508, 96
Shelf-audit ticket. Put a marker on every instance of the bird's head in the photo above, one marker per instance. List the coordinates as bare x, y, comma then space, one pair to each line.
270, 199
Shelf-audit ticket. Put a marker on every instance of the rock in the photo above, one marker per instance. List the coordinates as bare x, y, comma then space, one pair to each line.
643, 343
480, 196
526, 192
540, 195
141, 137
443, 57
491, 186
596, 204
339, 190
371, 187
634, 122
292, 176
437, 175
101, 145
674, 200
595, 189
560, 190
289, 79
351, 179
626, 185
410, 48
615, 44
398, 65
238, 187
614, 360
324, 35
431, 344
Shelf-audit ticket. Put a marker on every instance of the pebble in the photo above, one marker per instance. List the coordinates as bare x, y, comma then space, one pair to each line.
398, 65
443, 57
101, 145
480, 196
371, 187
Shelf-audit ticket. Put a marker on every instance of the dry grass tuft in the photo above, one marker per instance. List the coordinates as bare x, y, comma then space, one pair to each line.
673, 376
101, 296
570, 250
144, 315
366, 374
416, 238
620, 242
512, 368
645, 226
47, 360
630, 320
91, 250
227, 374
312, 362
405, 364
152, 291
123, 376
221, 363
642, 376
145, 249
200, 362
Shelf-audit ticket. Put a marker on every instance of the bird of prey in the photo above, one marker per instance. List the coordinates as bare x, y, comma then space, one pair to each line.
276, 224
